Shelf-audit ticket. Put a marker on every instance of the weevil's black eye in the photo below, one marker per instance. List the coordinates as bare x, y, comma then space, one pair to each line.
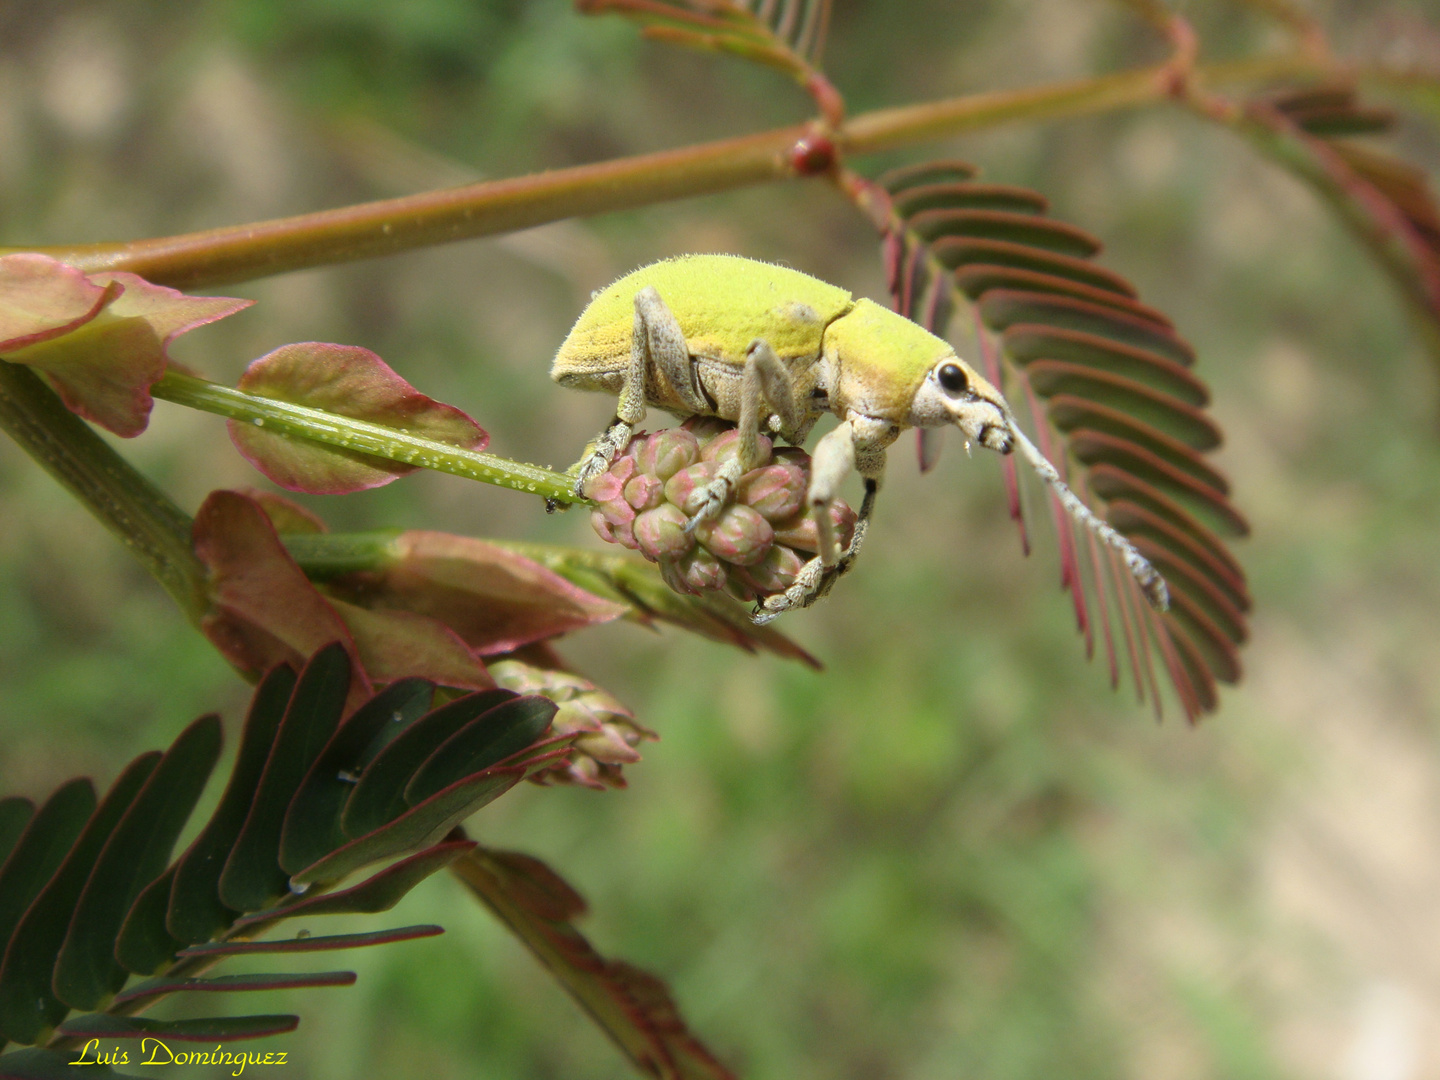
952, 379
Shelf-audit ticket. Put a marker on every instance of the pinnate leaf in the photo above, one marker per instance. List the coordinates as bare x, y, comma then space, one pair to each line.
29, 1006
196, 912
634, 1008
1108, 384
253, 877
1386, 202
86, 971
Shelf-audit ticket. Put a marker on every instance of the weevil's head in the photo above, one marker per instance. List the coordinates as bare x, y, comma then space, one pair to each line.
889, 368
953, 392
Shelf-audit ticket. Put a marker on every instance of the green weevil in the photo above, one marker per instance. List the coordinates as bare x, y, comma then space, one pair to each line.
769, 348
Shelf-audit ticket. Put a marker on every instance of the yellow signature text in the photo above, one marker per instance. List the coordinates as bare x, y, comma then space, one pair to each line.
158, 1052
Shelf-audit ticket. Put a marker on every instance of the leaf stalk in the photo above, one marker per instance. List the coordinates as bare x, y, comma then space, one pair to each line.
361, 437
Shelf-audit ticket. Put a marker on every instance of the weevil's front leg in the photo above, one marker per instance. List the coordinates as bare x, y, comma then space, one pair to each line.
656, 344
856, 445
815, 579
765, 387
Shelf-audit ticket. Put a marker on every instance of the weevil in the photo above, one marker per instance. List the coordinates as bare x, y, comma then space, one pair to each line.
771, 349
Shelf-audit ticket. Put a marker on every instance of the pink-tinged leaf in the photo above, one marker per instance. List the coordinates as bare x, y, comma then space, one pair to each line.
103, 371
105, 348
348, 381
634, 1008
169, 312
286, 515
42, 298
398, 644
495, 599
264, 611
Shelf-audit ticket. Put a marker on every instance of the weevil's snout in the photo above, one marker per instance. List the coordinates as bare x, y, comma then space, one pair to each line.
954, 393
996, 437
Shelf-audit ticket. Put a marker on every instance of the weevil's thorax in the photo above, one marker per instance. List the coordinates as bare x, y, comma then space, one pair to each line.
876, 360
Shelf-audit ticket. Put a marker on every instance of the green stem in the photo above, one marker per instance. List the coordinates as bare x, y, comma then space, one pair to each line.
244, 252
302, 422
155, 530
326, 555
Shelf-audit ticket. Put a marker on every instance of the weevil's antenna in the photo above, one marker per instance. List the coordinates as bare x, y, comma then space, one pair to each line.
1146, 576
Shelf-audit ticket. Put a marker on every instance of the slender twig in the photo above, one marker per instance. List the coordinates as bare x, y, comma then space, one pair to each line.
155, 530
359, 436
367, 230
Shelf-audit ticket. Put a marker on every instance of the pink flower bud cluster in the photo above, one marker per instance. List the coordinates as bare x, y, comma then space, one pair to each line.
752, 549
608, 732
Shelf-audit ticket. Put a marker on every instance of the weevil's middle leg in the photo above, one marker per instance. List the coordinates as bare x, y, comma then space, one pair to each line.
765, 387
657, 344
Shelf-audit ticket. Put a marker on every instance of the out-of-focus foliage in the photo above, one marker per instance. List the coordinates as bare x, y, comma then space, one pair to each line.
953, 853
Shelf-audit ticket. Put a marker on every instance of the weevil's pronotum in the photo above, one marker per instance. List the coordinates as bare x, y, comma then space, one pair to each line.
770, 348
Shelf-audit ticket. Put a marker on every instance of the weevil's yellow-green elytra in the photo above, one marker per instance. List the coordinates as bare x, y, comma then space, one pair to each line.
770, 348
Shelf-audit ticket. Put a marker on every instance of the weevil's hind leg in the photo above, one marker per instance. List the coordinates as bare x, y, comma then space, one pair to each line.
657, 343
765, 387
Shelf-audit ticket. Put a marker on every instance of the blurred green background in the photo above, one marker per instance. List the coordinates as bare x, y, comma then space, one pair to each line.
955, 853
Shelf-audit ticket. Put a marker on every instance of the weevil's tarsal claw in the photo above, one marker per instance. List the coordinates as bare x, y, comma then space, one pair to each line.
716, 495
815, 579
611, 441
1145, 575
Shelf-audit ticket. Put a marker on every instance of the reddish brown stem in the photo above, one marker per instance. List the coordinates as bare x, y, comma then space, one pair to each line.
244, 252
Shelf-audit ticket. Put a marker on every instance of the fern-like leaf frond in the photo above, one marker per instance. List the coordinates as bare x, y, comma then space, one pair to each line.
784, 34
90, 895
1386, 202
1107, 382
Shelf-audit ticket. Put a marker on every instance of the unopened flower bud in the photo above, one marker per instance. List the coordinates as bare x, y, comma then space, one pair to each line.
737, 586
702, 571
726, 445
661, 533
800, 532
776, 572
667, 452
615, 520
604, 488
607, 745
739, 535
775, 492
644, 491
755, 547
673, 576
608, 731
686, 488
